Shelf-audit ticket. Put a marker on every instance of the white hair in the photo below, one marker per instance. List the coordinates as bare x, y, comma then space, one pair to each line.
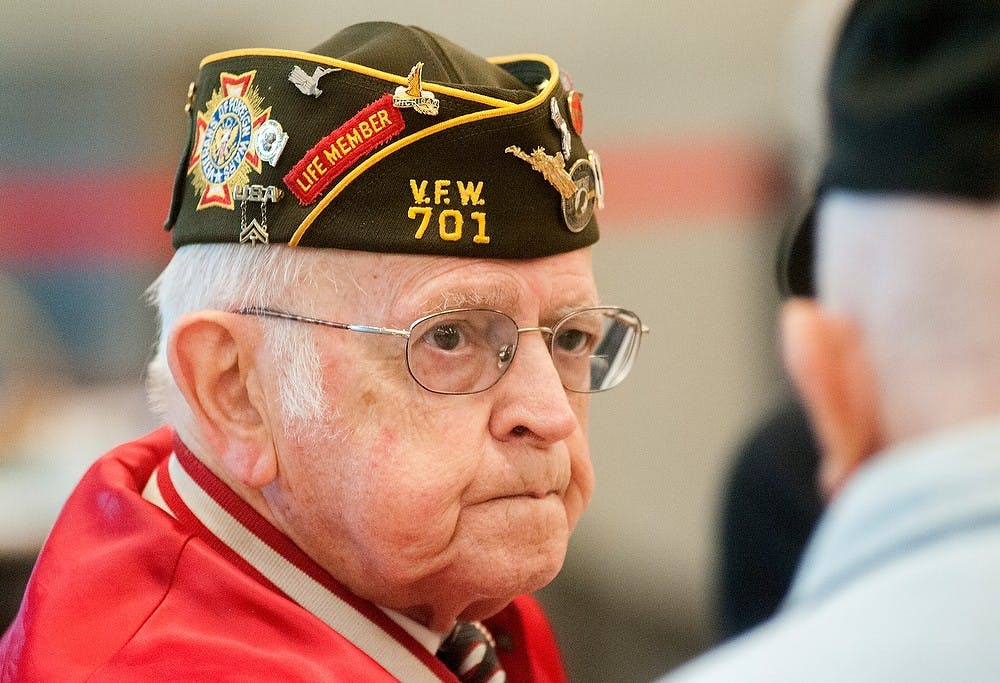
228, 277
919, 275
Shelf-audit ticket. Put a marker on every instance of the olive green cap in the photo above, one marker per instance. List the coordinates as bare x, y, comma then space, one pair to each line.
387, 138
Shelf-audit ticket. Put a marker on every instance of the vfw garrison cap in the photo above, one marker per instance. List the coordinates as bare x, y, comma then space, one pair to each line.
387, 138
913, 100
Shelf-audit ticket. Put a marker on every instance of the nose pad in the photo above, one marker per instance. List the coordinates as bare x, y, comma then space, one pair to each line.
536, 405
504, 355
544, 337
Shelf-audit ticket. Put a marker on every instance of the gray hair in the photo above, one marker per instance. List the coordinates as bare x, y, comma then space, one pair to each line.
228, 277
919, 275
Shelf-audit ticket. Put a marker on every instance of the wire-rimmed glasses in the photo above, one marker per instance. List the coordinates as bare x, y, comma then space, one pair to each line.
468, 350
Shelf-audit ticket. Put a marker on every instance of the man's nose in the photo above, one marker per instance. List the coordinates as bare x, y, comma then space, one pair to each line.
531, 397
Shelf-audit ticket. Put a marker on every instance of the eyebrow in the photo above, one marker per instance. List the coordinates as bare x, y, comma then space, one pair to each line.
496, 296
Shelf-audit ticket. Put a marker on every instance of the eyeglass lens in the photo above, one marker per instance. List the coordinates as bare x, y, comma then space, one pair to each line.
465, 351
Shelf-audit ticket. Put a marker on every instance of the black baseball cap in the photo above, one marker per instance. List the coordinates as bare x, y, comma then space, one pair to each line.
913, 97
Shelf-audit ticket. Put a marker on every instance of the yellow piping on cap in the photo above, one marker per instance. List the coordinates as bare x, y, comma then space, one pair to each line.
357, 68
507, 110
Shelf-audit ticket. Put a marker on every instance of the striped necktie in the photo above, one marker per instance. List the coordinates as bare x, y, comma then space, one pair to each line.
469, 652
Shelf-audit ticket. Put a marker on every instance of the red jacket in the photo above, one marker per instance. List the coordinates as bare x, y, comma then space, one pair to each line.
124, 591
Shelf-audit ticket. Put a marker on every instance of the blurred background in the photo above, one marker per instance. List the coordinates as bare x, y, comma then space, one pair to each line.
707, 118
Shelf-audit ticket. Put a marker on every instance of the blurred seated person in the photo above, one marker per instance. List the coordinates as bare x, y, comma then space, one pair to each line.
32, 374
891, 342
771, 504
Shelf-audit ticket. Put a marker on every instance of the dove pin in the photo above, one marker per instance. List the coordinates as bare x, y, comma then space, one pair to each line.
309, 85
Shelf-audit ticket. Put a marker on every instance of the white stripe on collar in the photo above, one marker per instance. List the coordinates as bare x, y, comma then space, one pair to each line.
299, 586
151, 493
429, 639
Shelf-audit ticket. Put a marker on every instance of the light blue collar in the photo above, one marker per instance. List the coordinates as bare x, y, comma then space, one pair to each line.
910, 496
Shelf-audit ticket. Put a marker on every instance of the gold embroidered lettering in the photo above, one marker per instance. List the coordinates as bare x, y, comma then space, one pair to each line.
451, 222
332, 154
315, 169
470, 192
480, 237
419, 192
424, 211
441, 191
454, 234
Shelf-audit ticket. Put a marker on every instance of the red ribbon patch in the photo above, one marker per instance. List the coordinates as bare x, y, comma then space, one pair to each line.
374, 125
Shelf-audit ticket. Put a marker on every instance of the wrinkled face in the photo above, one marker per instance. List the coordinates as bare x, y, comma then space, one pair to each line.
438, 505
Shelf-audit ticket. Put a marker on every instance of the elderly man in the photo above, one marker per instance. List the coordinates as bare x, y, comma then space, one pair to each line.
378, 335
898, 364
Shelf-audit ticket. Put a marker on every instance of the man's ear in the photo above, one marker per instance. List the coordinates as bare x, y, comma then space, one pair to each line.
212, 356
827, 359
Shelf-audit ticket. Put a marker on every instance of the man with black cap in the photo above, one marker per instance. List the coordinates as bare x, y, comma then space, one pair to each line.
379, 333
897, 361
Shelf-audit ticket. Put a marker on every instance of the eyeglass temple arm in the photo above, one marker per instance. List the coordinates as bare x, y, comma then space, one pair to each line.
368, 329
631, 319
371, 329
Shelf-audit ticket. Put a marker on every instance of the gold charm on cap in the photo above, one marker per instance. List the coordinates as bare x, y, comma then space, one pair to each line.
578, 208
309, 85
552, 168
255, 231
412, 94
258, 193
